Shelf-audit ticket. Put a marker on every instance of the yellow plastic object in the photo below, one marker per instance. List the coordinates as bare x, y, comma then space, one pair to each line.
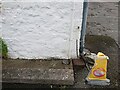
99, 69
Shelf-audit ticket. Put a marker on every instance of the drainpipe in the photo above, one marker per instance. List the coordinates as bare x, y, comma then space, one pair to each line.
83, 28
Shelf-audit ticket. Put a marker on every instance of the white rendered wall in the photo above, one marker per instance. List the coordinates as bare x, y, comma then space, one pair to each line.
42, 30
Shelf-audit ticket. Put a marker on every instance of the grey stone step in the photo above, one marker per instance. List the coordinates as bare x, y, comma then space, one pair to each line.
38, 71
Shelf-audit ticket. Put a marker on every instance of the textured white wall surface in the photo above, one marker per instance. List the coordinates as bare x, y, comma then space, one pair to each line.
42, 30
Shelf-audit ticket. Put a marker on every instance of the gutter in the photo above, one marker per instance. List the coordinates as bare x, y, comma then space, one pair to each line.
83, 28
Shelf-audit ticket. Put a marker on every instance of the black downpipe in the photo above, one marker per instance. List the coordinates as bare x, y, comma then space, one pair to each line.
83, 28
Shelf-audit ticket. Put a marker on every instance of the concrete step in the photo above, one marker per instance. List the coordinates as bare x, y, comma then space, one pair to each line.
37, 71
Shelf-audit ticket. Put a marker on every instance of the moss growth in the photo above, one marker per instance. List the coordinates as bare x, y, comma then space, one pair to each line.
3, 49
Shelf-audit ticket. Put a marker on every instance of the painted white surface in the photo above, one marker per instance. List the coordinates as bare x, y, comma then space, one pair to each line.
41, 30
